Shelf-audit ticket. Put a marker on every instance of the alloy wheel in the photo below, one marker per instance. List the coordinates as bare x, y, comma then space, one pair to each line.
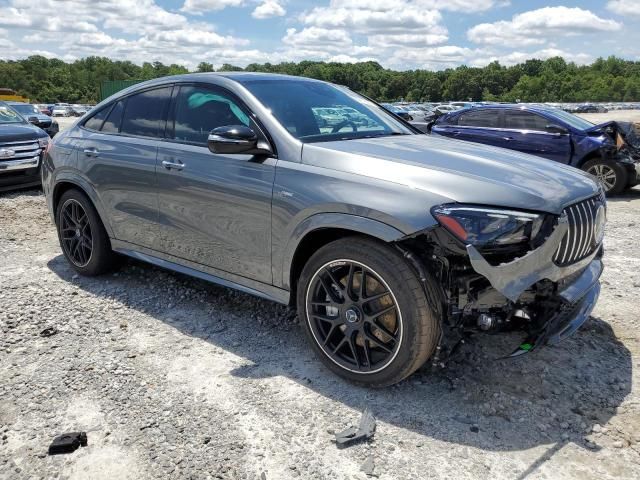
354, 316
605, 174
75, 233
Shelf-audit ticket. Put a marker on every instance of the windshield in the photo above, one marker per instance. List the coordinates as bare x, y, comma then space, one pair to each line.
9, 115
320, 112
571, 119
25, 109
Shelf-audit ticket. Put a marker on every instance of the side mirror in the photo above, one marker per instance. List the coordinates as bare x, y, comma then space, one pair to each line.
33, 120
557, 129
236, 139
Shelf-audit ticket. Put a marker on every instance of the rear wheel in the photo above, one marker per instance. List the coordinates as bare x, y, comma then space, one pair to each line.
365, 312
82, 235
612, 176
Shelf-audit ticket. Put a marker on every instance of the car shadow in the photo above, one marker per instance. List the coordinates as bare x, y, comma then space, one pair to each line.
553, 396
626, 196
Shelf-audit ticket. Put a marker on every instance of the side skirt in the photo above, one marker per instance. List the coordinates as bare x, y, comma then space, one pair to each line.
202, 272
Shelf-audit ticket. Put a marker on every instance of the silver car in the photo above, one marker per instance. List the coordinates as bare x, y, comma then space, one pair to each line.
393, 245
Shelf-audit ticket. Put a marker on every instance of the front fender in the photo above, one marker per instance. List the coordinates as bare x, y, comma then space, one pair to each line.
319, 221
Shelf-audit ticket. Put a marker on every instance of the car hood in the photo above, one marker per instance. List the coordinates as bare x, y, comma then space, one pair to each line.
457, 171
14, 132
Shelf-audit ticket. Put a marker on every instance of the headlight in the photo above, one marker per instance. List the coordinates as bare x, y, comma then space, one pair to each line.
487, 226
43, 142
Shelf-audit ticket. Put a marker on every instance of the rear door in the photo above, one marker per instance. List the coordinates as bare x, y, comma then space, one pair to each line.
118, 154
527, 132
214, 209
475, 125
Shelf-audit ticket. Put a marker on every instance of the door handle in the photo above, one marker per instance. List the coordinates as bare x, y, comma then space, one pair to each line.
455, 132
173, 165
91, 152
508, 139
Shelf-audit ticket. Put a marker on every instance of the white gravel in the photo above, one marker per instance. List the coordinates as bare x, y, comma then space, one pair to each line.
175, 378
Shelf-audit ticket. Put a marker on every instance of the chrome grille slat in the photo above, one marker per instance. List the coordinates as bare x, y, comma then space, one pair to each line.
581, 229
588, 211
579, 242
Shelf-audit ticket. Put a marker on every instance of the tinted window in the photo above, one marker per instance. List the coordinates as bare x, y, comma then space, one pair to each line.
479, 118
199, 110
95, 122
112, 124
144, 115
521, 120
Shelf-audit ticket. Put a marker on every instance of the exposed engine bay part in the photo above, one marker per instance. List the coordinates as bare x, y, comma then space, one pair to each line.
513, 278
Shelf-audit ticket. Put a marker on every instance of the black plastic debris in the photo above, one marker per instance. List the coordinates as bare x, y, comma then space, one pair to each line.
365, 430
68, 442
49, 332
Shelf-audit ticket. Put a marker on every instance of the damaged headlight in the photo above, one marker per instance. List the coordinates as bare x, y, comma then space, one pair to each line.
488, 226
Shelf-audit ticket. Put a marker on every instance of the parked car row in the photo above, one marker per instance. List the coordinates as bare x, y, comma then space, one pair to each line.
392, 244
609, 151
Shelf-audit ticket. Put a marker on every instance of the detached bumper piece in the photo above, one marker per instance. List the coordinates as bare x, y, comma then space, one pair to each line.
577, 301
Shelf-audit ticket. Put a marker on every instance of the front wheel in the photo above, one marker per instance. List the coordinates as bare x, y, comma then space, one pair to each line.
365, 312
611, 175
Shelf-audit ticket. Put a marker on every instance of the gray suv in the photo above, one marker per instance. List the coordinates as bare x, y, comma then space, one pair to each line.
392, 245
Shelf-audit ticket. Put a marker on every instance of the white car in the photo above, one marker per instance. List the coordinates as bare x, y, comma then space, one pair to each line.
60, 111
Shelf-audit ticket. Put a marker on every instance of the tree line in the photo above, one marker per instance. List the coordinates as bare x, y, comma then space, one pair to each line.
49, 80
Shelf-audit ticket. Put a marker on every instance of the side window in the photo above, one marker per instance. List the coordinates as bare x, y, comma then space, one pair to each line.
200, 109
145, 112
479, 118
521, 120
95, 122
112, 123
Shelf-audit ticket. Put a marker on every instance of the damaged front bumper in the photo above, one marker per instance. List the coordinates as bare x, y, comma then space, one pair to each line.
578, 301
577, 284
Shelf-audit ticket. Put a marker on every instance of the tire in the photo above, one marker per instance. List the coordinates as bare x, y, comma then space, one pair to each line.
93, 256
612, 175
409, 330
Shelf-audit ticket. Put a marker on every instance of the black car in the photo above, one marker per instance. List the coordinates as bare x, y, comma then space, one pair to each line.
21, 147
33, 115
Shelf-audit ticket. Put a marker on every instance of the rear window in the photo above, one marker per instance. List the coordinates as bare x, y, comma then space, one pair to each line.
145, 113
112, 123
480, 118
521, 120
95, 122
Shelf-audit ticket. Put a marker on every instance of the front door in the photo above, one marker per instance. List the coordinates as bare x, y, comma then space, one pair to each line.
527, 133
214, 209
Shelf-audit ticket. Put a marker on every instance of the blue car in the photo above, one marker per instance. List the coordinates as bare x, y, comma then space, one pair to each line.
606, 151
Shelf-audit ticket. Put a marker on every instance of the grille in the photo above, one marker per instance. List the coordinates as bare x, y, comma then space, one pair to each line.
580, 240
23, 149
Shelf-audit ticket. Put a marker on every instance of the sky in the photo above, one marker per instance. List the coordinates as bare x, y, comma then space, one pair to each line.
399, 34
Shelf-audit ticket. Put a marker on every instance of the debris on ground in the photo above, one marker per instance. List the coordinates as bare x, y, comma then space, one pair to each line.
49, 332
368, 467
365, 430
68, 442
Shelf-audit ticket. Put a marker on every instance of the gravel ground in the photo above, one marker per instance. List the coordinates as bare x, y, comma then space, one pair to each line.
175, 378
